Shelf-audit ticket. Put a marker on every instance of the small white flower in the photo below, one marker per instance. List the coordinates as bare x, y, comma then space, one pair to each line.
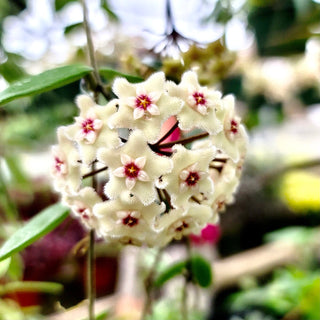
65, 167
233, 139
82, 206
201, 105
179, 222
128, 222
190, 174
144, 106
90, 130
131, 170
134, 167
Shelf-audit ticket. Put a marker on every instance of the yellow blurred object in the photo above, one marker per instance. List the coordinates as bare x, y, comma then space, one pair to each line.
300, 190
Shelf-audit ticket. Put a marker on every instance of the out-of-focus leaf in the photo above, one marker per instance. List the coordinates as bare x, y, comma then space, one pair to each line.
201, 271
71, 27
31, 286
111, 14
4, 266
10, 69
45, 81
15, 272
170, 272
35, 228
17, 176
110, 74
299, 235
59, 4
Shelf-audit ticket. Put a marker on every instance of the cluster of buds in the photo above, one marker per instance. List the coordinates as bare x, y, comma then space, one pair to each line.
155, 164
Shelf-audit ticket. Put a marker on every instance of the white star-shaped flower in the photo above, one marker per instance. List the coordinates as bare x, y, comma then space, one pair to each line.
134, 167
144, 106
65, 166
180, 222
128, 222
202, 106
190, 174
90, 130
233, 139
82, 206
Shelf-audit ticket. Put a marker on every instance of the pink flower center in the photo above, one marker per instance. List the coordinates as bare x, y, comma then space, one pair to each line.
88, 125
183, 226
199, 98
130, 221
131, 170
143, 102
234, 126
83, 213
58, 164
192, 179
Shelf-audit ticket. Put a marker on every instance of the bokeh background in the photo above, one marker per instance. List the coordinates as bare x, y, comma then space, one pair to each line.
265, 52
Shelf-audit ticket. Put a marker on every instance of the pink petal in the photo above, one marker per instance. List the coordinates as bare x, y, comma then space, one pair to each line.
143, 176
125, 159
91, 137
153, 109
138, 113
140, 162
119, 172
130, 183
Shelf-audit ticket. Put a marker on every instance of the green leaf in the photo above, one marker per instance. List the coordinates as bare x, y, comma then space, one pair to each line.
31, 286
59, 4
45, 81
112, 16
170, 272
72, 27
102, 316
35, 228
110, 74
201, 271
4, 266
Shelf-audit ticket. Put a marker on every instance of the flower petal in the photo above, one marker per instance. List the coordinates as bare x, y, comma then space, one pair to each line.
119, 172
143, 176
153, 109
138, 113
130, 183
140, 162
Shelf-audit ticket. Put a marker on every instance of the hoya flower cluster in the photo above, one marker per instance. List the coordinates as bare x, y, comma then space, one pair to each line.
155, 164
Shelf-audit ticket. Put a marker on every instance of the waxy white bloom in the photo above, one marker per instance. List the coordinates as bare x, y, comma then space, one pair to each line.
151, 187
91, 130
82, 206
179, 222
134, 167
190, 174
144, 106
65, 166
128, 222
233, 139
201, 105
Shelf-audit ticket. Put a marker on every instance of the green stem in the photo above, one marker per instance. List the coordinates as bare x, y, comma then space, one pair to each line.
90, 273
147, 308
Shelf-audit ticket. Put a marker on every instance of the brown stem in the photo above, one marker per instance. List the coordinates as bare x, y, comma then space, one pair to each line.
92, 173
183, 141
174, 127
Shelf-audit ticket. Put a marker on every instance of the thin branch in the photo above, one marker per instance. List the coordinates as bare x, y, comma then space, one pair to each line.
91, 278
265, 178
174, 127
92, 173
183, 141
147, 308
92, 58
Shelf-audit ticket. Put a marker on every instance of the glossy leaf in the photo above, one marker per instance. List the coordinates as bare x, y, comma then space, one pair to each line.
201, 271
170, 272
110, 74
45, 81
38, 226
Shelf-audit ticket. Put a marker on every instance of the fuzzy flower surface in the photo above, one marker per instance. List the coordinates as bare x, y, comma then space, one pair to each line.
159, 162
144, 106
